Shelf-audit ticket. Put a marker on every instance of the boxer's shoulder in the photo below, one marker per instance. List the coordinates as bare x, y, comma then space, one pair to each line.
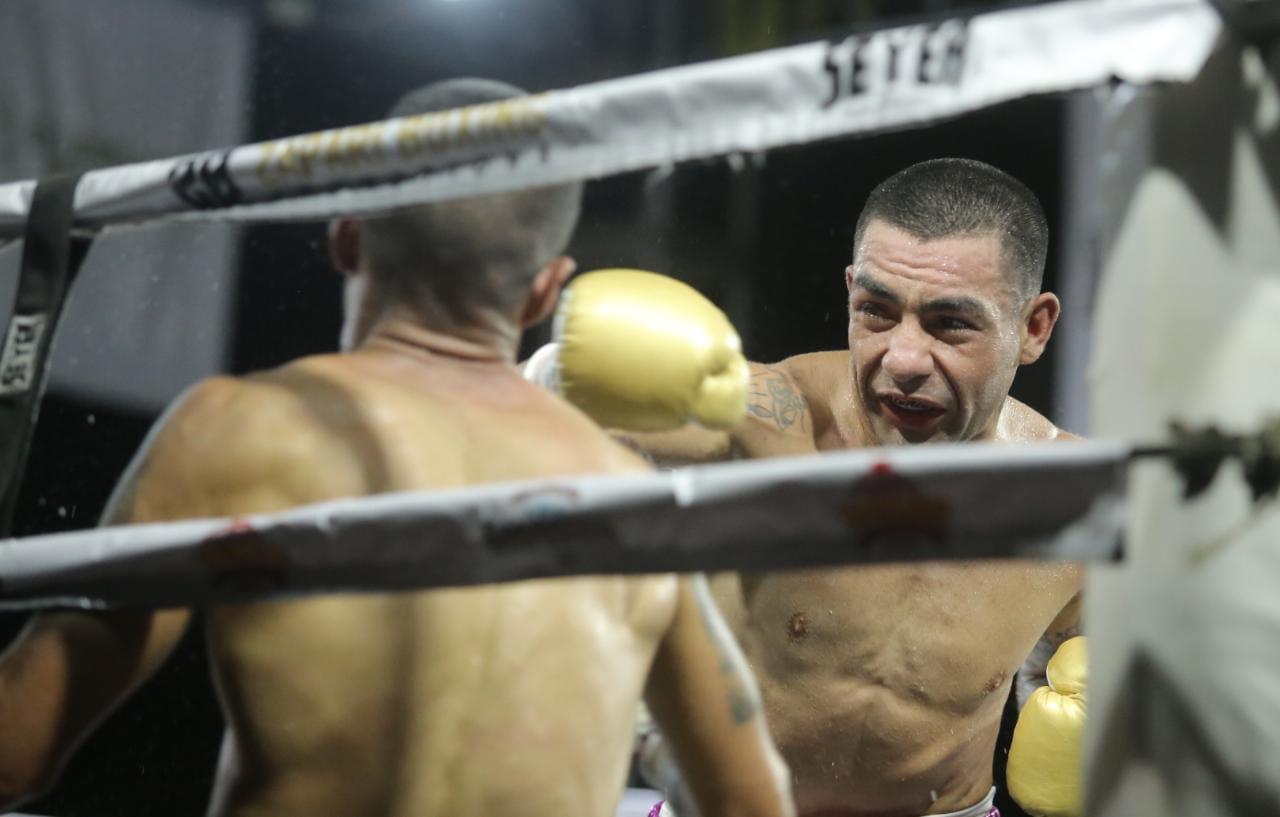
270, 427
333, 394
779, 418
219, 407
223, 448
821, 379
1021, 423
817, 374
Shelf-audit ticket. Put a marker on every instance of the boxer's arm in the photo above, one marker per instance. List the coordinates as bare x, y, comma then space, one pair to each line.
1065, 626
68, 670
690, 445
62, 676
778, 422
706, 703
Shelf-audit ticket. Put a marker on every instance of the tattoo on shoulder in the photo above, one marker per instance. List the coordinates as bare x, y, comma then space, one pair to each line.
743, 704
773, 398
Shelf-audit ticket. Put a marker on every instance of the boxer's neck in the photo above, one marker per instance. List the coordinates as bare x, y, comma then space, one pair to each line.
489, 342
423, 322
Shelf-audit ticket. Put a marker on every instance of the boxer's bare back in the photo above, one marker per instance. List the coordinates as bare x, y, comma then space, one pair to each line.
883, 685
514, 699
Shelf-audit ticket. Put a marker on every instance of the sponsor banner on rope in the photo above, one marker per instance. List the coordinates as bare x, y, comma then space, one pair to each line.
870, 81
1045, 501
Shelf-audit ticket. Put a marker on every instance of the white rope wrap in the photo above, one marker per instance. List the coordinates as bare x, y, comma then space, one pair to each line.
868, 82
1052, 501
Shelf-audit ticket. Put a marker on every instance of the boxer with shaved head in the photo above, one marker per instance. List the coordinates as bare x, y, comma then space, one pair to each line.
884, 685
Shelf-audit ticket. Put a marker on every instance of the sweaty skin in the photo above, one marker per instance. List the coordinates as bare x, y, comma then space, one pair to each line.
884, 685
514, 699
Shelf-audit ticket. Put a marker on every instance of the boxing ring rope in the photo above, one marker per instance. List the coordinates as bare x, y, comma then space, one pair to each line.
1052, 501
957, 501
870, 81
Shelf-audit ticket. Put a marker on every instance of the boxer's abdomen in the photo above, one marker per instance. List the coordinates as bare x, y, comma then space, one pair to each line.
855, 749
884, 685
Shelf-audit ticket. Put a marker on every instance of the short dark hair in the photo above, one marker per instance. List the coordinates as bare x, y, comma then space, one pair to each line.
951, 197
475, 254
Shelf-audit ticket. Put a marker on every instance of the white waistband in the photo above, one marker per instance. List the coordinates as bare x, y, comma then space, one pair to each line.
979, 809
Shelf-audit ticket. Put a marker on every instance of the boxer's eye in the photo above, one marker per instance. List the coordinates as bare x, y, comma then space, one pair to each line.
949, 323
873, 311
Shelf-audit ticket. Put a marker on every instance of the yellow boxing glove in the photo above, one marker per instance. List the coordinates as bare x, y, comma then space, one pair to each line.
1044, 759
640, 351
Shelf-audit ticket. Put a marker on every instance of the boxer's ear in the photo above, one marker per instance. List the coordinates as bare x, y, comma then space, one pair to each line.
1038, 320
344, 245
544, 293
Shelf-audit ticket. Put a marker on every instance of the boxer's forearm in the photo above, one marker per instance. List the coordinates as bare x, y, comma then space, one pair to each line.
26, 726
52, 685
1031, 676
703, 697
776, 411
658, 768
61, 677
690, 445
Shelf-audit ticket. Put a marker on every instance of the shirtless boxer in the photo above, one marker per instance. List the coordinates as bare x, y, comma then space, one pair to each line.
515, 699
884, 685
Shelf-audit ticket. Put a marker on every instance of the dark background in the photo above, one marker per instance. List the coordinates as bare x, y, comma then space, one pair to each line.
767, 241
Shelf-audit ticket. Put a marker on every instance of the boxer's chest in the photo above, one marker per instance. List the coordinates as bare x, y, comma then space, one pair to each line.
948, 634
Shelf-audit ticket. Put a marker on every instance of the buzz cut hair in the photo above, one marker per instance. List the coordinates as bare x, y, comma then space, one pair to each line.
475, 255
944, 198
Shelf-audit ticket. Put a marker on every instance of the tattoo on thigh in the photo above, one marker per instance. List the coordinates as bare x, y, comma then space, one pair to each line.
774, 399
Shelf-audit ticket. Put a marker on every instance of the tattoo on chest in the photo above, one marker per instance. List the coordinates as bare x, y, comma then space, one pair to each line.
773, 399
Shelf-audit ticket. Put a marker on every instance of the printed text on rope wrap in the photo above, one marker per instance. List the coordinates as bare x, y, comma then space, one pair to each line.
434, 134
877, 63
18, 360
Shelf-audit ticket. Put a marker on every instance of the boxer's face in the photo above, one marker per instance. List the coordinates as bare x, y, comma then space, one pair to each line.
934, 335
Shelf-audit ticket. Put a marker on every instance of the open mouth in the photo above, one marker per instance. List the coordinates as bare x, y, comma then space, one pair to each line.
909, 411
